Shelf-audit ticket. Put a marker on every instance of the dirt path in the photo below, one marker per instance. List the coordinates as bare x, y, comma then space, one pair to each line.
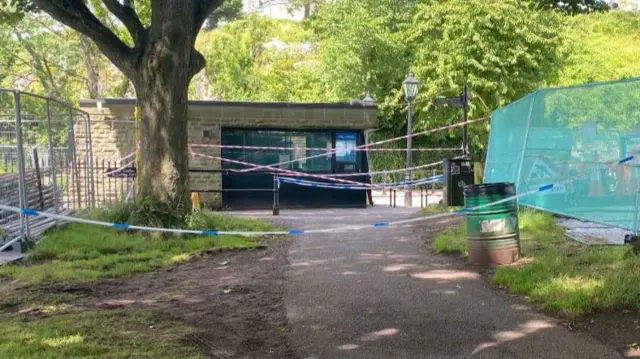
234, 299
381, 293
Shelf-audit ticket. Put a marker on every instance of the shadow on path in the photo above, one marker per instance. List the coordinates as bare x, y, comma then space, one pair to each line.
380, 293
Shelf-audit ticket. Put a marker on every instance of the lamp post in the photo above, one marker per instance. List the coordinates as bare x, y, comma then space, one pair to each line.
410, 87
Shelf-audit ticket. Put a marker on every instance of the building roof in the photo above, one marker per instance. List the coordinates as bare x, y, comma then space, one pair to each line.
131, 101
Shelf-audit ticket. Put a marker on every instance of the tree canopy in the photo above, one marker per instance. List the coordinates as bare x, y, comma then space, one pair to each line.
573, 7
346, 49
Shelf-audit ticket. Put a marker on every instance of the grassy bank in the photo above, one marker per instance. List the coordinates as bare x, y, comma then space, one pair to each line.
67, 332
39, 318
84, 253
561, 274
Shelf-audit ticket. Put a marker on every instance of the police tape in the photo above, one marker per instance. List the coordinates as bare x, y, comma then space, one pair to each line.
292, 232
307, 183
115, 159
289, 172
323, 149
119, 169
443, 128
437, 178
330, 176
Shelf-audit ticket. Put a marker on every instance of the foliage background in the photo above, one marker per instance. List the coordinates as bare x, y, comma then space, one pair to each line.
346, 49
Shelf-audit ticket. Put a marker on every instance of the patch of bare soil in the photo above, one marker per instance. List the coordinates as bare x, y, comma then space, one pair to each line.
620, 330
235, 299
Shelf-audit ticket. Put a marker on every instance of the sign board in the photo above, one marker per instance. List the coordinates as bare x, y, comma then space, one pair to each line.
454, 101
345, 146
126, 172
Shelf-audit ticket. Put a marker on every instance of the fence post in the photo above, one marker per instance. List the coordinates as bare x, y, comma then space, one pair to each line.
276, 195
89, 148
74, 162
52, 159
24, 220
635, 213
433, 184
38, 178
395, 196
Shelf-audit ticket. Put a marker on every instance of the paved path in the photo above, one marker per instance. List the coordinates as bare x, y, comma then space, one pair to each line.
381, 293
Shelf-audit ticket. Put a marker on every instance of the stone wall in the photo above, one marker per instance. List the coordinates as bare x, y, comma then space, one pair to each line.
113, 129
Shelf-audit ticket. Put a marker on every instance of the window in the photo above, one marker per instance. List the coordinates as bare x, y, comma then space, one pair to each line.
291, 146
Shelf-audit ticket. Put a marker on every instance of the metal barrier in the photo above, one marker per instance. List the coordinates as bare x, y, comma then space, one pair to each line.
43, 164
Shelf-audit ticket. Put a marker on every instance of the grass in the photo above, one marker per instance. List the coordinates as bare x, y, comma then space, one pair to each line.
437, 208
84, 253
60, 324
67, 332
561, 274
451, 240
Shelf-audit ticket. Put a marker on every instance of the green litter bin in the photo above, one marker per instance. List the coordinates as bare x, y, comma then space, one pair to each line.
492, 232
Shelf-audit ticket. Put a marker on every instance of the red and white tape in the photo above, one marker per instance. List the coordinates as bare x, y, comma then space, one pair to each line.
290, 172
369, 145
320, 148
332, 177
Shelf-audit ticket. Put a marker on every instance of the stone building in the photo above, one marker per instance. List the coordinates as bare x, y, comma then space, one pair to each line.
298, 130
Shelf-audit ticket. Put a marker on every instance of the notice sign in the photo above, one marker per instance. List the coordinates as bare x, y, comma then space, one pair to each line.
123, 172
345, 146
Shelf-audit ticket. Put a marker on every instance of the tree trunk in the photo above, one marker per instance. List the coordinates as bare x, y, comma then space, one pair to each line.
163, 159
162, 91
164, 70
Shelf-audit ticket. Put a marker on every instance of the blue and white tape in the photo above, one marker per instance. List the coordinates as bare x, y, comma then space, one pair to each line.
211, 232
331, 185
307, 183
293, 232
427, 180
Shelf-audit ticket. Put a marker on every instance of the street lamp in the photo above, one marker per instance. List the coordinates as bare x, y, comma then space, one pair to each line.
410, 87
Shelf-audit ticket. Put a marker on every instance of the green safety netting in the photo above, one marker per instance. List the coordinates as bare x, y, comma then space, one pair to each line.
573, 137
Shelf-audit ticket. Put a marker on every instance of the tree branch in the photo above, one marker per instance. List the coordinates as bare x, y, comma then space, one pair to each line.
203, 9
196, 63
76, 15
129, 18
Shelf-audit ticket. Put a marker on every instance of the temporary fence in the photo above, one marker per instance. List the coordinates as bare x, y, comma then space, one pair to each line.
43, 164
555, 133
47, 163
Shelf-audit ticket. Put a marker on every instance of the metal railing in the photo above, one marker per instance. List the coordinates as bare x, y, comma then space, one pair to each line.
42, 163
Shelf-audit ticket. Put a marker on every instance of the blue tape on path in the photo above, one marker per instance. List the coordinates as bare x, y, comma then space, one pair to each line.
29, 212
210, 233
121, 225
296, 232
381, 224
545, 187
625, 160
